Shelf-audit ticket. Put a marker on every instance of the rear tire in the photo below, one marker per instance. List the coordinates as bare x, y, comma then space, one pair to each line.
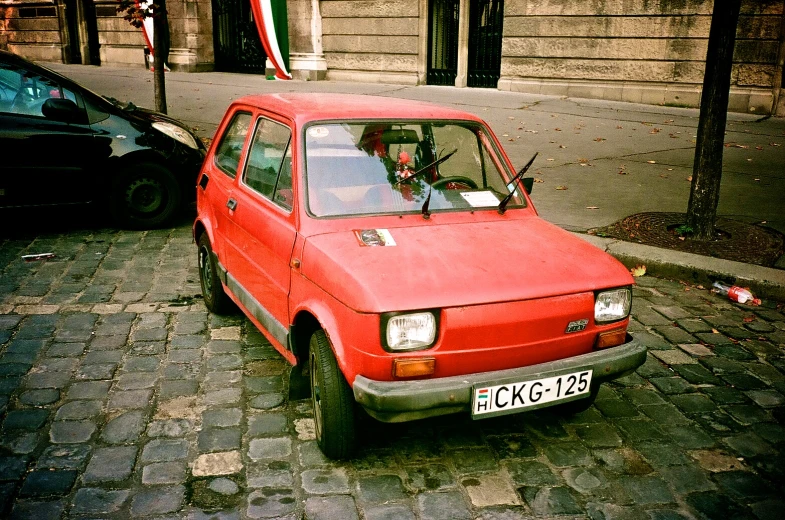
144, 195
215, 298
333, 401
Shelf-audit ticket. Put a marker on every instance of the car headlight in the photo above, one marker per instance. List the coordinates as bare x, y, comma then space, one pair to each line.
404, 332
612, 305
177, 133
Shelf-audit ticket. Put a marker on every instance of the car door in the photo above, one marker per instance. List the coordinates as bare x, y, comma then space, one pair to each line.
264, 230
44, 160
218, 178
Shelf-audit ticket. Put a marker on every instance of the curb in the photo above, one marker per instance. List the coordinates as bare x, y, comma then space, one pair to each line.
764, 282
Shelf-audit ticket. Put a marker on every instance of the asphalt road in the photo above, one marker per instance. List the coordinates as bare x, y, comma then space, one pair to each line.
120, 396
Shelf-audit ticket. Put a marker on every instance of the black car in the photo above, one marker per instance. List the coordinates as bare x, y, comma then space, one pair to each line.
61, 144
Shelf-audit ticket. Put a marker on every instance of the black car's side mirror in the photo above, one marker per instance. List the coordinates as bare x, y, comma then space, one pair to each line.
528, 184
63, 110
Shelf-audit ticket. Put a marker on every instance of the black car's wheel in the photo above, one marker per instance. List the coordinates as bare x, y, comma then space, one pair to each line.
333, 402
215, 299
144, 195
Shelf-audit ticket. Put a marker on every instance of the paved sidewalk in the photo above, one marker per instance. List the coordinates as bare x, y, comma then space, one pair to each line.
122, 397
608, 160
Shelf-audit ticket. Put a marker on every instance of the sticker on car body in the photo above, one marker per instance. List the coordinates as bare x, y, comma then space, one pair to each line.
506, 398
374, 237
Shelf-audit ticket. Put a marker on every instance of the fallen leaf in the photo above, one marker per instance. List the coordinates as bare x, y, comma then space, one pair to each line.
557, 129
583, 160
638, 270
774, 144
670, 169
505, 135
668, 121
619, 127
538, 180
664, 176
748, 319
715, 331
759, 148
682, 239
689, 178
592, 207
510, 117
599, 139
561, 188
550, 159
654, 131
652, 162
562, 146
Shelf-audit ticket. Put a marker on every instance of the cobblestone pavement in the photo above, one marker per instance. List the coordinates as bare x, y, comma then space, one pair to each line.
120, 396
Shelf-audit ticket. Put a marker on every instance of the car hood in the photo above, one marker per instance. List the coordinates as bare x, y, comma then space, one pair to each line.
435, 266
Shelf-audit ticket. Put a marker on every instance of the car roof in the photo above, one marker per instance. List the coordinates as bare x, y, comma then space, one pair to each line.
305, 107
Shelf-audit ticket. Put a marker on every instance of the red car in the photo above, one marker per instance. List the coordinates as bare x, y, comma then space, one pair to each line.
389, 251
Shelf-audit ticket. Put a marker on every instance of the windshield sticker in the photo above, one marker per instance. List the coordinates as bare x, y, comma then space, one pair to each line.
374, 237
480, 199
318, 131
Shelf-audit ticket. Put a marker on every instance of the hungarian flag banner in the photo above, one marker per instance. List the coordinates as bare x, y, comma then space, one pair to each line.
272, 24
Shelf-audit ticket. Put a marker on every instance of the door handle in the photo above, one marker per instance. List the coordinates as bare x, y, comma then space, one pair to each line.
231, 204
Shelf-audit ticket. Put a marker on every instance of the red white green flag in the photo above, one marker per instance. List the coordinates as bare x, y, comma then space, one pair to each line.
272, 24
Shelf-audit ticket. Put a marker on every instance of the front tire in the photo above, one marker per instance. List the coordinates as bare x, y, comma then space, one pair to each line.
333, 401
215, 298
144, 195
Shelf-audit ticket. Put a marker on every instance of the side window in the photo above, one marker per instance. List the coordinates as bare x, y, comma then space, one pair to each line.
229, 151
24, 92
269, 167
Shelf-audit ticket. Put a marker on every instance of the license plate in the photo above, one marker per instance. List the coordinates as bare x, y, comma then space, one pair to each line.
505, 398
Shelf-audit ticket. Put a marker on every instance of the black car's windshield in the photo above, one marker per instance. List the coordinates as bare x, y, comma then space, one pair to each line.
367, 168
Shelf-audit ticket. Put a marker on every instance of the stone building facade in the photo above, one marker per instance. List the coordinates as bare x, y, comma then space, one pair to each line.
645, 51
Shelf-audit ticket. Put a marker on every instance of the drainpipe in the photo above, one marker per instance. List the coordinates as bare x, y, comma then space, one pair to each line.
461, 78
778, 108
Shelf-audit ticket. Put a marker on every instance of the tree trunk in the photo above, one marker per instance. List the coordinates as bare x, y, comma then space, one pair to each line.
160, 52
707, 169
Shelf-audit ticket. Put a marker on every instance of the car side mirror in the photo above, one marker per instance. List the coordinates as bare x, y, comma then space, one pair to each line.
63, 110
528, 184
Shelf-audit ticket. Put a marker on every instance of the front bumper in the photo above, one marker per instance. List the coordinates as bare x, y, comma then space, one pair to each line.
399, 401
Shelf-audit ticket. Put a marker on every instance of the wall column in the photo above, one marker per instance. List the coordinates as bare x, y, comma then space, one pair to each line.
306, 56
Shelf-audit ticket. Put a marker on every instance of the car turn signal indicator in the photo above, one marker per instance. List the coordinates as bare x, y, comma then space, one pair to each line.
612, 338
414, 367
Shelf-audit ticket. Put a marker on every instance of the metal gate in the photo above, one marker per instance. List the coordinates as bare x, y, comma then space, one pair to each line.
442, 42
485, 42
236, 41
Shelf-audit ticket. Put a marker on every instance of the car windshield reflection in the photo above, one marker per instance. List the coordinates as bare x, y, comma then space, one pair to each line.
393, 167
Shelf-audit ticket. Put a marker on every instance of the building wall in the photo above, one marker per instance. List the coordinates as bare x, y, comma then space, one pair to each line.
645, 51
366, 40
32, 29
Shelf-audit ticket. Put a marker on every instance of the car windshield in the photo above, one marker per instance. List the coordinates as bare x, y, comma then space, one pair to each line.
393, 167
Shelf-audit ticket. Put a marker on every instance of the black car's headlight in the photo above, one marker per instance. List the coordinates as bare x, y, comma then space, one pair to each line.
177, 133
612, 305
402, 332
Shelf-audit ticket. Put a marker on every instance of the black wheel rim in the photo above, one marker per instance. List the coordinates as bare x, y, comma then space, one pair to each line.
145, 196
206, 272
316, 396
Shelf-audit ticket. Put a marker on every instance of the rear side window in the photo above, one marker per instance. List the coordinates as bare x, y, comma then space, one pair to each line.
229, 151
268, 170
24, 92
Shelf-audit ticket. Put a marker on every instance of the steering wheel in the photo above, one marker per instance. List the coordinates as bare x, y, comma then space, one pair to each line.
458, 179
19, 104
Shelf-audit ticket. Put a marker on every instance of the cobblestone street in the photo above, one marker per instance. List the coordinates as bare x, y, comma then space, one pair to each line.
120, 396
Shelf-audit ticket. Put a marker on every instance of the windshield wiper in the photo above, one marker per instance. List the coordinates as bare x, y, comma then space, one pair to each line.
506, 200
434, 163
